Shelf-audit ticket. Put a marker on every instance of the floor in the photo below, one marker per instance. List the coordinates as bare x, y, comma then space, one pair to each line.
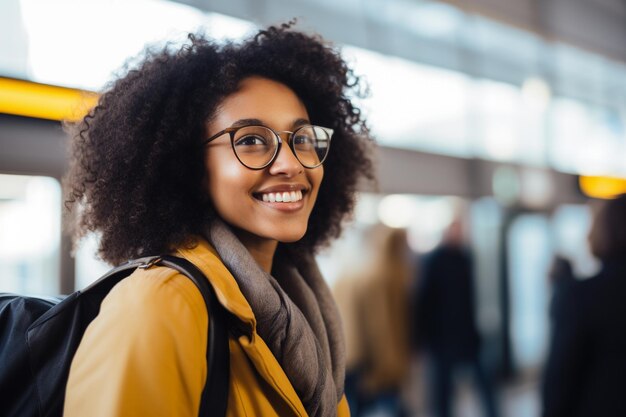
516, 399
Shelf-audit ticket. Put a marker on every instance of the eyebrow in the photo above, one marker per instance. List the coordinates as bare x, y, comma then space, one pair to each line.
247, 122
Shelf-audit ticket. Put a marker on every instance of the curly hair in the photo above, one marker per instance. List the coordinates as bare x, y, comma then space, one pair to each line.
137, 168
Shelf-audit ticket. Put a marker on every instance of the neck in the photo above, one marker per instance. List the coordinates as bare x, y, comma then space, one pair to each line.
261, 249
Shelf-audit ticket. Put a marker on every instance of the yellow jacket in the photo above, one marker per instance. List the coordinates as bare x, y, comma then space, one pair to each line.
145, 353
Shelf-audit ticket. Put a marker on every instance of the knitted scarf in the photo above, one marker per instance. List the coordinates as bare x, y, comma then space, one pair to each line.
296, 317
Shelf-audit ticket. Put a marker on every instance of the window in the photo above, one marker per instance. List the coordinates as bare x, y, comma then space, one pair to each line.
30, 234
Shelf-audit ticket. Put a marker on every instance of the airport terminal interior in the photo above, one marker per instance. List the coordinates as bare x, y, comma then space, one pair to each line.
509, 115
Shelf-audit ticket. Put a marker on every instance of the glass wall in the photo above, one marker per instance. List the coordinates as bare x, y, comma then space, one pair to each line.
558, 110
530, 252
30, 234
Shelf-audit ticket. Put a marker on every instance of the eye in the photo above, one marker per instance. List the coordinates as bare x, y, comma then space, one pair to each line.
250, 140
303, 142
303, 139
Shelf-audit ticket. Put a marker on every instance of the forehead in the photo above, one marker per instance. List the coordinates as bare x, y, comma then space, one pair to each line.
272, 102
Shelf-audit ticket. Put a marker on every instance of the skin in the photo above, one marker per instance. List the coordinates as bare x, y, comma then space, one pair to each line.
236, 190
454, 235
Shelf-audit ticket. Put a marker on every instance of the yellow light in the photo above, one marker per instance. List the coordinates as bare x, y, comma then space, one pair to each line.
602, 187
25, 98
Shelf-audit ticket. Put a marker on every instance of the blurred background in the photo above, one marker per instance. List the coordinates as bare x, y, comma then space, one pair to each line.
508, 117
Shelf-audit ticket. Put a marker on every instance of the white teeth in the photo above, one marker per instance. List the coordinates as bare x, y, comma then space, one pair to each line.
285, 197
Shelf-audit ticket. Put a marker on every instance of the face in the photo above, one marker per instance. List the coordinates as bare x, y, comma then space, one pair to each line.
245, 198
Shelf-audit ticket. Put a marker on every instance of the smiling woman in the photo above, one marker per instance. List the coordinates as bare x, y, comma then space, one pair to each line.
220, 154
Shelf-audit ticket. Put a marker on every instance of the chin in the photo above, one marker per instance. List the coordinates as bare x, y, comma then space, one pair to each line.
290, 237
291, 240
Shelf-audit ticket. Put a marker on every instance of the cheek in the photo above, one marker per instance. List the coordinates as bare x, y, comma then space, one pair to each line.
315, 177
230, 187
224, 174
223, 178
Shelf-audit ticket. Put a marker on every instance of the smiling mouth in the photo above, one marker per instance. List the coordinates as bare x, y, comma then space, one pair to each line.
281, 197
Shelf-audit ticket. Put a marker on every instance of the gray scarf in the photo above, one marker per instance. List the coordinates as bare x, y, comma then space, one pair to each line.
296, 316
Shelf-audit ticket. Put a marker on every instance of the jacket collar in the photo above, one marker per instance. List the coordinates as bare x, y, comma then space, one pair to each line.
205, 257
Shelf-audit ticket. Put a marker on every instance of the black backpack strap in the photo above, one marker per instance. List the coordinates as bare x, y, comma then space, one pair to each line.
215, 394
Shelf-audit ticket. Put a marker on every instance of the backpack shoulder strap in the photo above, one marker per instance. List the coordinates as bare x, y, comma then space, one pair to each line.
215, 394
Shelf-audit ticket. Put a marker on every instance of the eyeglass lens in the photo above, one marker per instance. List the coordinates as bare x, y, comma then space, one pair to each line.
255, 146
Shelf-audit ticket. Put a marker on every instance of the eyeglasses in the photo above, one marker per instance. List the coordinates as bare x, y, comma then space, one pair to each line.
257, 146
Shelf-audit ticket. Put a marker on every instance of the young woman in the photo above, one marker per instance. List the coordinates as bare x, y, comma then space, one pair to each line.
374, 305
243, 159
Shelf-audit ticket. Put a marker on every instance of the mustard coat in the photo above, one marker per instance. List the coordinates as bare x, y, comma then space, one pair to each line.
145, 353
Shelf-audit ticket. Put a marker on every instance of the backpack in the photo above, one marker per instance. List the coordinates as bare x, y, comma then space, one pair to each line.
39, 337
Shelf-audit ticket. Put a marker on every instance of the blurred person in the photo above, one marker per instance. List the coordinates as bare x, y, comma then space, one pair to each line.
561, 277
345, 291
221, 155
447, 328
373, 301
585, 374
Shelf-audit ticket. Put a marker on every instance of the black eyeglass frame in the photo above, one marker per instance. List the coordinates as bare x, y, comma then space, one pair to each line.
232, 130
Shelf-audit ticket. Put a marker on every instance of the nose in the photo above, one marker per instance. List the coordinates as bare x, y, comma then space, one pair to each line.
286, 162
